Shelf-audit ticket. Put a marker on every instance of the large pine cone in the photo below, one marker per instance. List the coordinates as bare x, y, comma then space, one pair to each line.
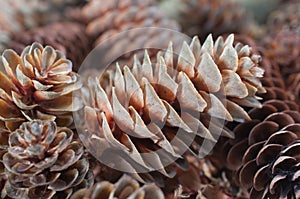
126, 111
118, 23
266, 151
126, 187
37, 84
202, 17
43, 161
68, 37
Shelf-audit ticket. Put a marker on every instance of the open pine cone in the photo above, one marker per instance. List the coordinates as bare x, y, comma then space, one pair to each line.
68, 37
202, 17
37, 84
43, 161
126, 187
143, 109
266, 151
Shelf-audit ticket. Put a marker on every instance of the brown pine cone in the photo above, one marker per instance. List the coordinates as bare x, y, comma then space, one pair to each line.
126, 187
68, 37
38, 84
283, 49
266, 152
285, 17
43, 161
119, 23
202, 17
127, 108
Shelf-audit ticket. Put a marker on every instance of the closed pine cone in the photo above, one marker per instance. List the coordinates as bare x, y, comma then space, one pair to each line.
38, 84
115, 23
137, 100
126, 187
202, 17
68, 37
266, 151
43, 161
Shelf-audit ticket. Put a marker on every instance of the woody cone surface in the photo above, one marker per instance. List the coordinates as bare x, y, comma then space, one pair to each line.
43, 161
37, 84
67, 37
126, 187
127, 107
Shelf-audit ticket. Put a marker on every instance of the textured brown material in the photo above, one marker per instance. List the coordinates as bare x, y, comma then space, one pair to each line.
68, 37
38, 84
266, 152
202, 17
283, 49
126, 187
118, 23
293, 84
137, 100
43, 161
285, 17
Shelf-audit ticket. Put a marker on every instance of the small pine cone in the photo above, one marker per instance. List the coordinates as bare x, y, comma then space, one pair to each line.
43, 161
38, 84
265, 152
125, 109
202, 17
285, 17
283, 49
126, 187
68, 37
293, 84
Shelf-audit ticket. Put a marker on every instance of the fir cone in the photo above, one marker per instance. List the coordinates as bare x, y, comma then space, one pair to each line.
268, 162
202, 17
283, 49
125, 108
37, 84
67, 37
118, 23
126, 187
43, 161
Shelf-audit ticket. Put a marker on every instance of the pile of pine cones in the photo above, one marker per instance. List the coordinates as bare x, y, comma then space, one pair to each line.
158, 99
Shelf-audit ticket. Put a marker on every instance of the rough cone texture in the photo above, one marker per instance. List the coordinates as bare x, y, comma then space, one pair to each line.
126, 187
43, 162
266, 151
37, 84
202, 17
126, 111
294, 87
68, 37
118, 23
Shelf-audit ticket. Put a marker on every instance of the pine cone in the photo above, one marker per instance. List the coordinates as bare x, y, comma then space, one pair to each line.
126, 187
38, 84
67, 37
268, 163
127, 126
283, 49
43, 162
115, 23
285, 17
294, 87
202, 17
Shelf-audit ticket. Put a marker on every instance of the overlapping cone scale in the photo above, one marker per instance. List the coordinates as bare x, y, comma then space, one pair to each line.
125, 187
38, 84
171, 106
43, 161
265, 152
